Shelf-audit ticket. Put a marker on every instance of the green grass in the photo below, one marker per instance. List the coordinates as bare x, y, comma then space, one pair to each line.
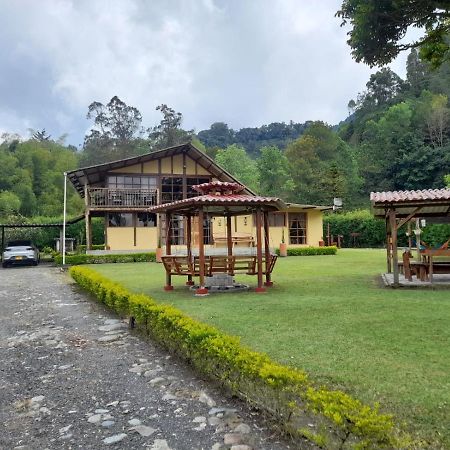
329, 316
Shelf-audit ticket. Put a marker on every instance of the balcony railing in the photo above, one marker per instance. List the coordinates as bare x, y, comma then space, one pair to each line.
122, 198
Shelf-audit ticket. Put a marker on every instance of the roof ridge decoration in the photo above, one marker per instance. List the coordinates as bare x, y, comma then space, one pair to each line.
219, 188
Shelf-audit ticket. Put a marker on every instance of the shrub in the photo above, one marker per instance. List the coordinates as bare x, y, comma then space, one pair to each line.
337, 419
81, 258
371, 231
310, 251
82, 248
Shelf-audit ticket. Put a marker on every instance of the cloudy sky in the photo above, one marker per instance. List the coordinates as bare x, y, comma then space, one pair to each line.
243, 62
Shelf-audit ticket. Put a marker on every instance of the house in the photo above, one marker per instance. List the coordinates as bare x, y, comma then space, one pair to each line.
123, 191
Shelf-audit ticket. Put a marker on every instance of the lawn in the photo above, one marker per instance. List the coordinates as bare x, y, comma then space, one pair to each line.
329, 316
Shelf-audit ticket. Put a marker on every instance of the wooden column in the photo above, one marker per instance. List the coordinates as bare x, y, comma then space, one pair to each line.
393, 225
88, 231
229, 245
268, 257
189, 281
388, 245
201, 255
260, 287
168, 286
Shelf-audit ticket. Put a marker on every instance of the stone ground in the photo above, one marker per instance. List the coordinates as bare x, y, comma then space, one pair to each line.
74, 376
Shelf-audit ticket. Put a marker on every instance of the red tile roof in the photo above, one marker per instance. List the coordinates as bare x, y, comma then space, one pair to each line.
230, 199
410, 196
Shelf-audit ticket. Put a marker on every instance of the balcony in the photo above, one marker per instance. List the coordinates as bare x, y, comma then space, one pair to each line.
107, 198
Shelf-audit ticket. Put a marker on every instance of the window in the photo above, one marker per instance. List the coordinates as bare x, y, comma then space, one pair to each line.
297, 228
276, 219
207, 239
171, 189
132, 182
120, 219
192, 181
177, 230
146, 220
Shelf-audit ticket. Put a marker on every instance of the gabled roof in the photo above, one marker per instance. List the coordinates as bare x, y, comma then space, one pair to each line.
218, 205
423, 203
94, 174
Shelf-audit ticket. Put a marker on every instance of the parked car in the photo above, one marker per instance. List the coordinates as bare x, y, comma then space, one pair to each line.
20, 252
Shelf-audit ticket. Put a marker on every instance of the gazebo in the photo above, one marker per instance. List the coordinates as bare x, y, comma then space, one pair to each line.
400, 207
219, 199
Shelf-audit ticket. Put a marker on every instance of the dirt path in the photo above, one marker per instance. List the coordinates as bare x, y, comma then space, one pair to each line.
73, 376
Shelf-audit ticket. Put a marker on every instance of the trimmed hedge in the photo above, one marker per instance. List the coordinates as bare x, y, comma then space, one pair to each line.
82, 248
74, 260
310, 251
332, 419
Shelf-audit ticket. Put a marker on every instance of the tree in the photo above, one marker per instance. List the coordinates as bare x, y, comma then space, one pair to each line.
417, 74
235, 160
323, 166
169, 132
9, 204
40, 136
378, 26
382, 87
274, 177
218, 135
114, 133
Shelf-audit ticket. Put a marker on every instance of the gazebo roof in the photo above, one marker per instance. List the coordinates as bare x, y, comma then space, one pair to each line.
221, 198
422, 203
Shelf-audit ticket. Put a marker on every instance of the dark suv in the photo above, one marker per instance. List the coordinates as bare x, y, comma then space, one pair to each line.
20, 252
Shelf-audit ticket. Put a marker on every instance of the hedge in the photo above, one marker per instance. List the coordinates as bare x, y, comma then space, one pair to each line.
74, 260
371, 231
330, 418
82, 248
310, 251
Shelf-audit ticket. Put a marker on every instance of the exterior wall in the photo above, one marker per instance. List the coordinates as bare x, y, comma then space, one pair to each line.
314, 230
122, 238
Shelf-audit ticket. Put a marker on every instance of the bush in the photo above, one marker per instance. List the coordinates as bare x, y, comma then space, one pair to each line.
74, 260
332, 419
82, 248
371, 231
310, 251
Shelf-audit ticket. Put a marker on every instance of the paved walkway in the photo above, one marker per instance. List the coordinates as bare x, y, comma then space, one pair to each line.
72, 376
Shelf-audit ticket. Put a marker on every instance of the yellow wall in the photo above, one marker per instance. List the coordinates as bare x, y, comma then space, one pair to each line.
151, 167
122, 238
313, 229
130, 169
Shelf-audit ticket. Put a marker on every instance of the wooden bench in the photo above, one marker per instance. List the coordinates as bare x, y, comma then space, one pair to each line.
181, 265
178, 265
236, 239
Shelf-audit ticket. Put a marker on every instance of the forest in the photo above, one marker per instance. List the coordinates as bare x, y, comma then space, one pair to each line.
396, 136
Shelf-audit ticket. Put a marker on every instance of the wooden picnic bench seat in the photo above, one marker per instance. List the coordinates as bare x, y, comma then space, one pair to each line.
178, 265
236, 239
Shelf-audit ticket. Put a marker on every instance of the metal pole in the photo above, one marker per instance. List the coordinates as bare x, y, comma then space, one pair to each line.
64, 221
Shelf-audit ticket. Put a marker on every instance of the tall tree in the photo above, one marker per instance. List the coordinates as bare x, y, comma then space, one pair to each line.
417, 73
114, 133
169, 132
378, 27
274, 176
235, 160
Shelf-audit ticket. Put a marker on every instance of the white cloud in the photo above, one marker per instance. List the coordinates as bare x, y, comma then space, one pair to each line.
245, 63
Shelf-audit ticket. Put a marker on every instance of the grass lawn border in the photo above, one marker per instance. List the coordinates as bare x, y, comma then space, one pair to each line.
330, 418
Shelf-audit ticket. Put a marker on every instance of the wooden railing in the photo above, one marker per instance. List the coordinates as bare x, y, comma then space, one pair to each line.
122, 198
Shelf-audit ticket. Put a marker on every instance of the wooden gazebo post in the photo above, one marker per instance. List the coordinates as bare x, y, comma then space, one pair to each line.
260, 287
268, 281
229, 243
189, 281
393, 226
168, 286
201, 255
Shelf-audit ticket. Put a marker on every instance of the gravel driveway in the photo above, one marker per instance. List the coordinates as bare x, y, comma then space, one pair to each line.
73, 376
